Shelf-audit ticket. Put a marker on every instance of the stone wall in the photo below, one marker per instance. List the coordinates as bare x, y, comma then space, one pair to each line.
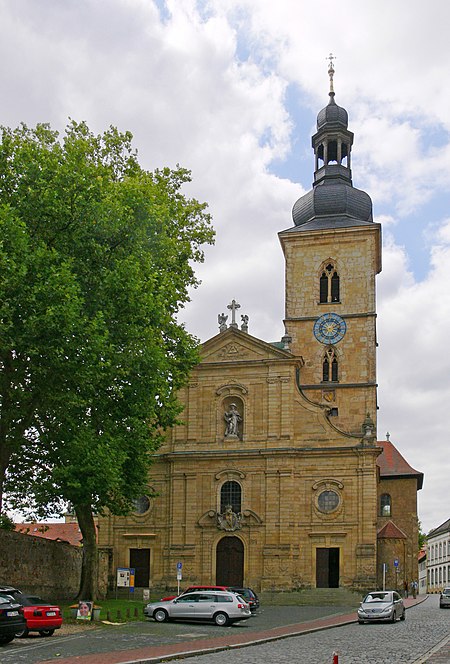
39, 566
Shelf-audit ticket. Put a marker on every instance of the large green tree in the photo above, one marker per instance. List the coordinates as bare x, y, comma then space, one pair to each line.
96, 259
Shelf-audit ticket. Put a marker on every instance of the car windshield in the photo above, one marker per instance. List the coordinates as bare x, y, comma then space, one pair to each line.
446, 591
378, 597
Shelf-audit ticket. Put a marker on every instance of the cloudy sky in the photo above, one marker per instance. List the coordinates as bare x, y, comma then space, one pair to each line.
231, 89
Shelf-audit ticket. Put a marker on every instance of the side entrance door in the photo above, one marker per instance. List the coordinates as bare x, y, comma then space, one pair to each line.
140, 561
327, 567
230, 562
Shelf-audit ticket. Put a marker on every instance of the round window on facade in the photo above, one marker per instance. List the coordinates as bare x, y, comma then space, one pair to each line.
141, 504
328, 501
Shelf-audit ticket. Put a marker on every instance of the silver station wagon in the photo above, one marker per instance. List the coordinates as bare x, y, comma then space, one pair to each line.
381, 605
222, 608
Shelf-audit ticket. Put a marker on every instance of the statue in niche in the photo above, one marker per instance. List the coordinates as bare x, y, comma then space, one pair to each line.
232, 421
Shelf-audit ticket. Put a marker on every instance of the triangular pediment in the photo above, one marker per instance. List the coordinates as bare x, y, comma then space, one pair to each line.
236, 346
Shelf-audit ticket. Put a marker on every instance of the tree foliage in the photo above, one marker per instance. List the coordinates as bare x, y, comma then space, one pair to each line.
96, 259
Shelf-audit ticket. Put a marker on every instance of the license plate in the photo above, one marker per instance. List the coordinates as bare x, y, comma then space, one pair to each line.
51, 613
12, 613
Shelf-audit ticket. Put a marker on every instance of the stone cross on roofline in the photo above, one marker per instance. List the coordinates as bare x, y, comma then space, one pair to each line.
222, 318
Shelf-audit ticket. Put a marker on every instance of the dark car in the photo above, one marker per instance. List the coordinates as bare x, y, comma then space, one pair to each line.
249, 595
381, 606
40, 616
11, 619
10, 590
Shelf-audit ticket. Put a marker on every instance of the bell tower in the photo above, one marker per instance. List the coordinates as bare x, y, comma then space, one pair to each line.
332, 256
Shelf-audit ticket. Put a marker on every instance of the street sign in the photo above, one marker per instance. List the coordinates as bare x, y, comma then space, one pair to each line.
179, 575
179, 565
395, 562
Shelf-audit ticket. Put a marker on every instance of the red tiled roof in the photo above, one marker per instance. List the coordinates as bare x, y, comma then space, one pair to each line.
62, 532
392, 464
421, 555
390, 531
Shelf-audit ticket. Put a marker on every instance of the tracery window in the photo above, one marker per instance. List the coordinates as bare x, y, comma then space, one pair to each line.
329, 284
230, 494
385, 504
330, 366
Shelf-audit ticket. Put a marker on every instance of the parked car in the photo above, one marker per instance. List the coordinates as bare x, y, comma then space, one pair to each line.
249, 595
220, 607
11, 619
40, 616
193, 589
10, 590
444, 599
381, 605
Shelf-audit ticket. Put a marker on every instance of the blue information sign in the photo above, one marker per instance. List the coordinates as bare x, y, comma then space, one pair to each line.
179, 565
395, 562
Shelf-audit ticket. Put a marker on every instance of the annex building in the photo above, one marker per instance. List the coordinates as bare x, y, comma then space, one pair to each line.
275, 479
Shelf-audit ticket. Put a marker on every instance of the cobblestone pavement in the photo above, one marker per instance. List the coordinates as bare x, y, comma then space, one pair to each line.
404, 642
423, 637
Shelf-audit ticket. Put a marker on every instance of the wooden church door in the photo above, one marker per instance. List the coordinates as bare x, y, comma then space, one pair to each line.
230, 562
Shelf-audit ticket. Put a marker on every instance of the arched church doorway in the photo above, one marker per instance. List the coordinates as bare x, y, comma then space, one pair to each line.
230, 562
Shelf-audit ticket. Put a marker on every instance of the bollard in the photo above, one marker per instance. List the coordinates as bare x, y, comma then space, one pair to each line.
335, 658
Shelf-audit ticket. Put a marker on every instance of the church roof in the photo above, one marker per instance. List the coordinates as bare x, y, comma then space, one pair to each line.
391, 531
393, 465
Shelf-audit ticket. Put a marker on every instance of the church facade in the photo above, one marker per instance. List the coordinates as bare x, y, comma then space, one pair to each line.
275, 479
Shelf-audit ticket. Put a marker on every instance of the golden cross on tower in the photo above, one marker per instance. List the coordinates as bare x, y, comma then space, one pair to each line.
331, 57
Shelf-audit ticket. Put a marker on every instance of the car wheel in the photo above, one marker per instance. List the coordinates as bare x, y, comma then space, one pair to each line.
221, 619
46, 632
23, 633
403, 616
361, 622
6, 639
160, 615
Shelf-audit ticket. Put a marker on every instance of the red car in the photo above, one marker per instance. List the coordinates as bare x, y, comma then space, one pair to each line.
40, 616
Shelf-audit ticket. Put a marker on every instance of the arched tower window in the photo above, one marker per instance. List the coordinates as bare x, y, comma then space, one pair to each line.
230, 494
330, 366
329, 284
385, 504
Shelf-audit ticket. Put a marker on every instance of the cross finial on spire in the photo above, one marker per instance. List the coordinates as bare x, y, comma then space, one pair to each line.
331, 57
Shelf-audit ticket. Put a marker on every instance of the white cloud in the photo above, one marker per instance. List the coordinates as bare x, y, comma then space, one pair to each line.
204, 85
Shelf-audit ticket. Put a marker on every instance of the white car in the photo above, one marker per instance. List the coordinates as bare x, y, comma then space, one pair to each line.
222, 608
381, 605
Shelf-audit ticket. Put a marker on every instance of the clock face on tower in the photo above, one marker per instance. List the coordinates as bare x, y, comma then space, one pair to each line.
329, 329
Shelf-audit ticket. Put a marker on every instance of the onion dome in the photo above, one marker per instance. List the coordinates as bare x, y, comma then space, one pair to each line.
333, 201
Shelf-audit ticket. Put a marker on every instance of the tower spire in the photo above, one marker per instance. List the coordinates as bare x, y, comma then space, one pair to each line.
331, 57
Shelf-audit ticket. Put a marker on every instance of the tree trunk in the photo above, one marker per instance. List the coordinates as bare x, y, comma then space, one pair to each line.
89, 569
